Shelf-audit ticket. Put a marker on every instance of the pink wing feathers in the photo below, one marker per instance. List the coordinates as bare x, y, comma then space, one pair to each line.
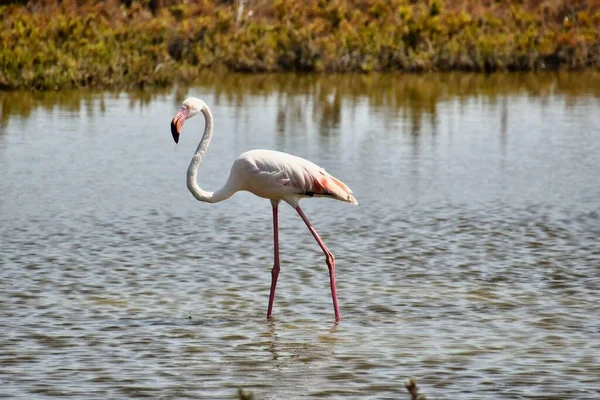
324, 184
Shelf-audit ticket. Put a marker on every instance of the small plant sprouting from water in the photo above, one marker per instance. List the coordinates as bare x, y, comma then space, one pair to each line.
242, 395
413, 390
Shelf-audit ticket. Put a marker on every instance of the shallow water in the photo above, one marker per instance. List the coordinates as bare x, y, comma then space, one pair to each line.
472, 262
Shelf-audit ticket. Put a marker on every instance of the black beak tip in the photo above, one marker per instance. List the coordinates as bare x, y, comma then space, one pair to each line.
174, 132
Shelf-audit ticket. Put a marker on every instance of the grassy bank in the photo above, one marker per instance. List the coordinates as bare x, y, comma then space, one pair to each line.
53, 46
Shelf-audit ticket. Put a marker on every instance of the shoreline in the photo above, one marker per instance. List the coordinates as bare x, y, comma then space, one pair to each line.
111, 46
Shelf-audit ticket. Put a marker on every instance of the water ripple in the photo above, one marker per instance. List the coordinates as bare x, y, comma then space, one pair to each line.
458, 268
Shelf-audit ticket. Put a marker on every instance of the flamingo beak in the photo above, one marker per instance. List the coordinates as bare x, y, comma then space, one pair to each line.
176, 124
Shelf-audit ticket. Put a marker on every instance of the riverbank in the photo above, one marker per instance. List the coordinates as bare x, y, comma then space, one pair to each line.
114, 46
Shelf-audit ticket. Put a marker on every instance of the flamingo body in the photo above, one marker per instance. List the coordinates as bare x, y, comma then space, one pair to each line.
280, 176
269, 174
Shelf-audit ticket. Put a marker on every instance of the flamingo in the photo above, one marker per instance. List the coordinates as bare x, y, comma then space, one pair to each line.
268, 174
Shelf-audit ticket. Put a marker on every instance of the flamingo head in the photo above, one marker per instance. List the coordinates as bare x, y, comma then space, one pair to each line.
189, 108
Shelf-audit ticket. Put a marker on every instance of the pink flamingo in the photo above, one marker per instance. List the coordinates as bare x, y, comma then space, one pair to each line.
269, 174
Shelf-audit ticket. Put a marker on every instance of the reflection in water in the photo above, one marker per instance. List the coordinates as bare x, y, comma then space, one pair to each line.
273, 339
415, 96
22, 104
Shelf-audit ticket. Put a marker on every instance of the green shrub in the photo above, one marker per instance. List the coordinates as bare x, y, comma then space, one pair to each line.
66, 44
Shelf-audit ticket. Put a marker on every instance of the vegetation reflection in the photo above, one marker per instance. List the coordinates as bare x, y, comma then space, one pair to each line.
411, 96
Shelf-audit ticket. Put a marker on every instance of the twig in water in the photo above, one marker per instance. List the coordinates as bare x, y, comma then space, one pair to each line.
245, 395
412, 388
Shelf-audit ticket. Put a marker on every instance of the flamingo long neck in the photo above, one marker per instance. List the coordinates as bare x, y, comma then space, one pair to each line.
210, 197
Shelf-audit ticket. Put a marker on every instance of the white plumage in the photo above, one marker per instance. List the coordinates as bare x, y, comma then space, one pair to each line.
280, 176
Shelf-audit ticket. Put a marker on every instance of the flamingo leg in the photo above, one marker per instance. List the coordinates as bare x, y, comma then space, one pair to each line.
330, 259
275, 270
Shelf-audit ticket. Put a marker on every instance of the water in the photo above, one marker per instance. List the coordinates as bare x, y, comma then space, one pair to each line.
472, 262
